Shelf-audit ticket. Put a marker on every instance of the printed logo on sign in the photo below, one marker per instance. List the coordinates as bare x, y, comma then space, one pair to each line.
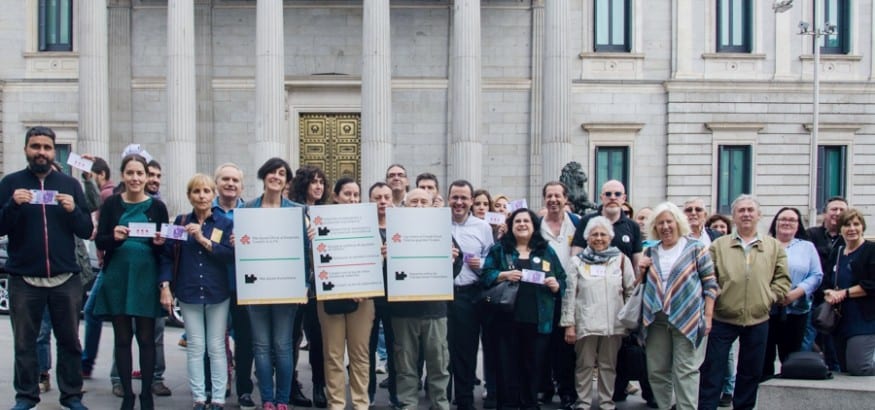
400, 275
250, 279
323, 275
317, 220
396, 238
321, 248
245, 240
323, 230
325, 258
327, 286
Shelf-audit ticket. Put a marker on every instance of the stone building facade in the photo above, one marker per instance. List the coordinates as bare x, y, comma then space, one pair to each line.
503, 92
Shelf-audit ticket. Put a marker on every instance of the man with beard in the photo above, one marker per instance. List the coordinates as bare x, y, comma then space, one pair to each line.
474, 237
396, 178
41, 214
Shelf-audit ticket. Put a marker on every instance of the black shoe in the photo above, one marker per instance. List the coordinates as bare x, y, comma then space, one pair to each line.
147, 402
618, 398
566, 402
299, 399
128, 402
489, 402
546, 397
385, 383
319, 399
725, 400
652, 405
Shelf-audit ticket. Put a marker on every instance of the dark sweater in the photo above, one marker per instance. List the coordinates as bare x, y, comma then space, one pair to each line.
863, 271
111, 212
34, 234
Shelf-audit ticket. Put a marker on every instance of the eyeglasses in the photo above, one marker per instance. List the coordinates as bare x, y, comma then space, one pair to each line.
788, 220
692, 208
396, 175
615, 194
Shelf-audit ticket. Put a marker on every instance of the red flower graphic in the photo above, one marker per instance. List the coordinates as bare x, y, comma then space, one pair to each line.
245, 240
396, 238
321, 248
323, 275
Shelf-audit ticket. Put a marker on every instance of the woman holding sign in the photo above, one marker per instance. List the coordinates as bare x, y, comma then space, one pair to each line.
602, 282
524, 257
271, 324
346, 326
128, 234
196, 266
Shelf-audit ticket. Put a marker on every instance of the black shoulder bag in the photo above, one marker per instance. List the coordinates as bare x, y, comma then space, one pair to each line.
825, 317
502, 296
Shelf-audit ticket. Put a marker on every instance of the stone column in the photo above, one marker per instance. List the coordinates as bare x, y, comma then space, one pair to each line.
557, 84
536, 115
376, 91
465, 151
179, 164
270, 130
683, 39
119, 38
93, 79
784, 33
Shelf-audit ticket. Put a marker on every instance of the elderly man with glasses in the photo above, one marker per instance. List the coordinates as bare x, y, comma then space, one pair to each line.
627, 234
697, 216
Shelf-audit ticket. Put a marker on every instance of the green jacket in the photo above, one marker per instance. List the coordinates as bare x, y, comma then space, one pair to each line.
750, 282
496, 262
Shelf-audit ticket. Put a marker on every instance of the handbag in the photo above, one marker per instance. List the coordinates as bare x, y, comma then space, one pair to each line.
825, 317
630, 315
632, 359
805, 366
340, 306
502, 297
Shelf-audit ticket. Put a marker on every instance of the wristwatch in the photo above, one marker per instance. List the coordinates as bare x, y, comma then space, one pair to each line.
163, 285
848, 293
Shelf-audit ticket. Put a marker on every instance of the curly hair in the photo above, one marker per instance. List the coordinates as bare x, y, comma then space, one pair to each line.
301, 182
536, 242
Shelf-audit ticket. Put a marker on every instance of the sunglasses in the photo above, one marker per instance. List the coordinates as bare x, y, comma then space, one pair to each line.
615, 194
697, 209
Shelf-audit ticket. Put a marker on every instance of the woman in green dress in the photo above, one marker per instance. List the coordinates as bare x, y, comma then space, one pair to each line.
130, 295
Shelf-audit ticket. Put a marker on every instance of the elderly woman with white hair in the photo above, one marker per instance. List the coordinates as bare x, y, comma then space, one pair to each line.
679, 292
596, 290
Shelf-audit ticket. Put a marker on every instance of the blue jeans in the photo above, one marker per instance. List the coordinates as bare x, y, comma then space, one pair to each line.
205, 326
729, 379
272, 348
44, 343
751, 354
93, 328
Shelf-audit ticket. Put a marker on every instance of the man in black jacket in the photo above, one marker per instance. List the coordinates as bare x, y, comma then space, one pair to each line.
41, 212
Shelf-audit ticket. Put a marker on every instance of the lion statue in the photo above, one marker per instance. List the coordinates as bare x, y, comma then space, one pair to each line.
575, 178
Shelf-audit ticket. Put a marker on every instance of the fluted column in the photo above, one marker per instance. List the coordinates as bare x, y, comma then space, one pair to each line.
683, 40
557, 145
466, 150
536, 115
376, 91
270, 135
93, 79
181, 107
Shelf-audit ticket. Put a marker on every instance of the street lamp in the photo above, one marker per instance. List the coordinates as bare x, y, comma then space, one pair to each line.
816, 33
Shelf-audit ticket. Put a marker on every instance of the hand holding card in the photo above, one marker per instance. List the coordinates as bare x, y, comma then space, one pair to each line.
170, 231
533, 276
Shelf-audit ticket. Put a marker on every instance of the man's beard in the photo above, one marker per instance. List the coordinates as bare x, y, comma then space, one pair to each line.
39, 168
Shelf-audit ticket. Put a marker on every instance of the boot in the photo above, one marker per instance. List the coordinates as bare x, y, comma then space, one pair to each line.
128, 402
147, 401
319, 399
298, 398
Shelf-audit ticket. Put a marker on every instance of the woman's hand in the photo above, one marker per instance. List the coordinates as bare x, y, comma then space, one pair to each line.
194, 230
311, 233
643, 263
474, 262
231, 239
120, 232
708, 323
158, 239
167, 299
455, 253
383, 250
502, 229
511, 275
570, 335
834, 296
552, 283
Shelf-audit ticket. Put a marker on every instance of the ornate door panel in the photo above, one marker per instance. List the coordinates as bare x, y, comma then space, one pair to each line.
332, 142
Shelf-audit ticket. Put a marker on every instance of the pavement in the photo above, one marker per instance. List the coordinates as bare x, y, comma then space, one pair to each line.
98, 391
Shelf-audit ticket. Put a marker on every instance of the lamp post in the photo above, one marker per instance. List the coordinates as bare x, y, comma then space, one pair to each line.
816, 33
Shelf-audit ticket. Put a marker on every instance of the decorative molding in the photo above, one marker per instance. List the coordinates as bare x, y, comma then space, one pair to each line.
618, 127
832, 57
735, 126
840, 127
733, 56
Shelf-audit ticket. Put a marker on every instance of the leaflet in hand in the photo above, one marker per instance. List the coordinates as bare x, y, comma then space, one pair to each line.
495, 218
44, 197
171, 231
533, 276
517, 204
76, 161
141, 230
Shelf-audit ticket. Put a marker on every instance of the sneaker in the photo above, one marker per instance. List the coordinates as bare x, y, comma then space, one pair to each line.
45, 383
245, 402
118, 391
159, 389
269, 406
199, 406
631, 389
282, 406
23, 405
216, 406
384, 384
182, 343
381, 368
725, 400
86, 374
73, 404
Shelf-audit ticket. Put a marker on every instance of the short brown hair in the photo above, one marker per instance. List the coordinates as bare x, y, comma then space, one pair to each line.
848, 215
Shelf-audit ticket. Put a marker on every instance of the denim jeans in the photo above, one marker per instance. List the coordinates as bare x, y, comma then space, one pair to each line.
272, 348
44, 343
27, 305
205, 326
93, 328
160, 365
751, 354
729, 379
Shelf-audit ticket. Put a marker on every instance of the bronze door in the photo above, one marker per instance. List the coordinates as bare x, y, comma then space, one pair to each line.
332, 142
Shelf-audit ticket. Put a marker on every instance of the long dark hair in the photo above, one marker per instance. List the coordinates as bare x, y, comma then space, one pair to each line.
537, 242
800, 229
300, 184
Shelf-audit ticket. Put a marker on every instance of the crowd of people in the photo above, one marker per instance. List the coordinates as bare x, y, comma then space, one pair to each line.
705, 284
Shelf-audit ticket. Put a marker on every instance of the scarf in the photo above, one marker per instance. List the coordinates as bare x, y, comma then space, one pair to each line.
591, 257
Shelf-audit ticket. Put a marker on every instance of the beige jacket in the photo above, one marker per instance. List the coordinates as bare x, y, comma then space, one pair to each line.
595, 294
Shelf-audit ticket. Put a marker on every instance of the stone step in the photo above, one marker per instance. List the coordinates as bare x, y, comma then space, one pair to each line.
840, 392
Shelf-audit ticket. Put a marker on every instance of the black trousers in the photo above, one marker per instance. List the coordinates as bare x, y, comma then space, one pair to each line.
242, 347
464, 321
381, 315
522, 354
26, 306
558, 372
307, 320
785, 335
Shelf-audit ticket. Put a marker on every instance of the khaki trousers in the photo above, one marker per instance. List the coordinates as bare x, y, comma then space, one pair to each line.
592, 350
415, 336
673, 365
348, 333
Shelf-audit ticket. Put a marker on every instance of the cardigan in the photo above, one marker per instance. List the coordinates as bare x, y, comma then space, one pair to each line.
111, 212
682, 297
863, 271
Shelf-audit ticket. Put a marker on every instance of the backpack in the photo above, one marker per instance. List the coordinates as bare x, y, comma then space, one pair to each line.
805, 366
